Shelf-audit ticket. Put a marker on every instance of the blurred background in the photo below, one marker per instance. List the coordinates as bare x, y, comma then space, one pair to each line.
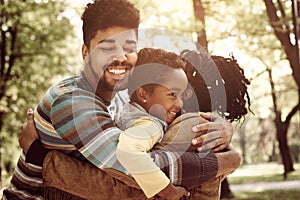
41, 44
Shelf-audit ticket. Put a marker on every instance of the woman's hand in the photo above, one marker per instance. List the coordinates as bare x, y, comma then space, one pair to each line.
217, 133
28, 133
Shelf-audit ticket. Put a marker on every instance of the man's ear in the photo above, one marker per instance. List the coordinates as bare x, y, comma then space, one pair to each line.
84, 51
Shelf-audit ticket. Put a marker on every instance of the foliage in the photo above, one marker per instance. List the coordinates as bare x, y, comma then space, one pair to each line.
248, 34
154, 13
165, 26
35, 36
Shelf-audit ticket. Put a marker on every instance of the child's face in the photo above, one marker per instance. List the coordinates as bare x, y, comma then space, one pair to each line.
166, 100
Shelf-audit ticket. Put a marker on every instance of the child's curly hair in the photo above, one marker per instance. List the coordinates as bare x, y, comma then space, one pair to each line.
103, 14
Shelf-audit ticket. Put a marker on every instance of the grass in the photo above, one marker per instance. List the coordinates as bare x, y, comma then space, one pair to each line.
268, 195
270, 172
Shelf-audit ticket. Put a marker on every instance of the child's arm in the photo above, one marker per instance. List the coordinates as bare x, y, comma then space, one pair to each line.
172, 192
134, 143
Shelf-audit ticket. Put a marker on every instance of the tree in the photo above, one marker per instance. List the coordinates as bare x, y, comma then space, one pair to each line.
287, 33
283, 29
199, 14
272, 43
34, 36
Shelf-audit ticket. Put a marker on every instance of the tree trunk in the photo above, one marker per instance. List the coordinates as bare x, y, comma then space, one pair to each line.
225, 190
243, 143
1, 142
2, 65
281, 133
282, 129
273, 157
199, 16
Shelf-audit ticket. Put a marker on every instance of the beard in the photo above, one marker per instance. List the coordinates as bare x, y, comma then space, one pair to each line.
113, 85
108, 82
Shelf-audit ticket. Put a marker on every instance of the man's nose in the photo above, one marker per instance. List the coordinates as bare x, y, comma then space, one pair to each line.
120, 56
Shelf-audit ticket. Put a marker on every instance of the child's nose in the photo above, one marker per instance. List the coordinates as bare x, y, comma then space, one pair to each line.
179, 103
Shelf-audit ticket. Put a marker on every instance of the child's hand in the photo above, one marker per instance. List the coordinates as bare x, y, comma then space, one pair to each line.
172, 192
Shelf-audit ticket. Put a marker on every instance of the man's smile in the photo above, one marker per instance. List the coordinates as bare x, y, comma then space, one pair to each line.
117, 71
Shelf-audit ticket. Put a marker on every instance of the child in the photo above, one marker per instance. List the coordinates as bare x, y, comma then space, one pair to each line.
157, 88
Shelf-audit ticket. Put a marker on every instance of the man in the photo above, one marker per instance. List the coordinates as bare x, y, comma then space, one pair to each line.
73, 117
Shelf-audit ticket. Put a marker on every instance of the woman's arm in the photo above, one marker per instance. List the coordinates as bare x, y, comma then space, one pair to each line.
29, 141
28, 133
228, 161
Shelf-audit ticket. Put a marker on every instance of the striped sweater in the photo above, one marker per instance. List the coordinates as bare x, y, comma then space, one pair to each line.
72, 119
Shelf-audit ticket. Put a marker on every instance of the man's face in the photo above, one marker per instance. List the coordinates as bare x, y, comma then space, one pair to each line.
111, 56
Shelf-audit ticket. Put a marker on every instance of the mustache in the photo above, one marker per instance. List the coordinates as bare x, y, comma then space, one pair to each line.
118, 63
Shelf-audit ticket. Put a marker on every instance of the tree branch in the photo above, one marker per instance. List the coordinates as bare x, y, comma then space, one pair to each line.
275, 21
284, 37
292, 113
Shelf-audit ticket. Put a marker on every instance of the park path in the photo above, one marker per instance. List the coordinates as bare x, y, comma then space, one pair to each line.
280, 185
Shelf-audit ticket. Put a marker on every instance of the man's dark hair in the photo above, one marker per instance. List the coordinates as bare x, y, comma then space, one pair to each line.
103, 14
233, 80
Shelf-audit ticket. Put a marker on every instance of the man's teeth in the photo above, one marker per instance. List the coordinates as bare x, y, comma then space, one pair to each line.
117, 71
173, 113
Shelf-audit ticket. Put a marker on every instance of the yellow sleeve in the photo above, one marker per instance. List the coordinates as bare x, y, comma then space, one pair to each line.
134, 143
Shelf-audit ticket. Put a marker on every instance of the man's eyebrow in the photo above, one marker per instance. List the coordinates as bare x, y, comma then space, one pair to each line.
130, 41
107, 41
111, 41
